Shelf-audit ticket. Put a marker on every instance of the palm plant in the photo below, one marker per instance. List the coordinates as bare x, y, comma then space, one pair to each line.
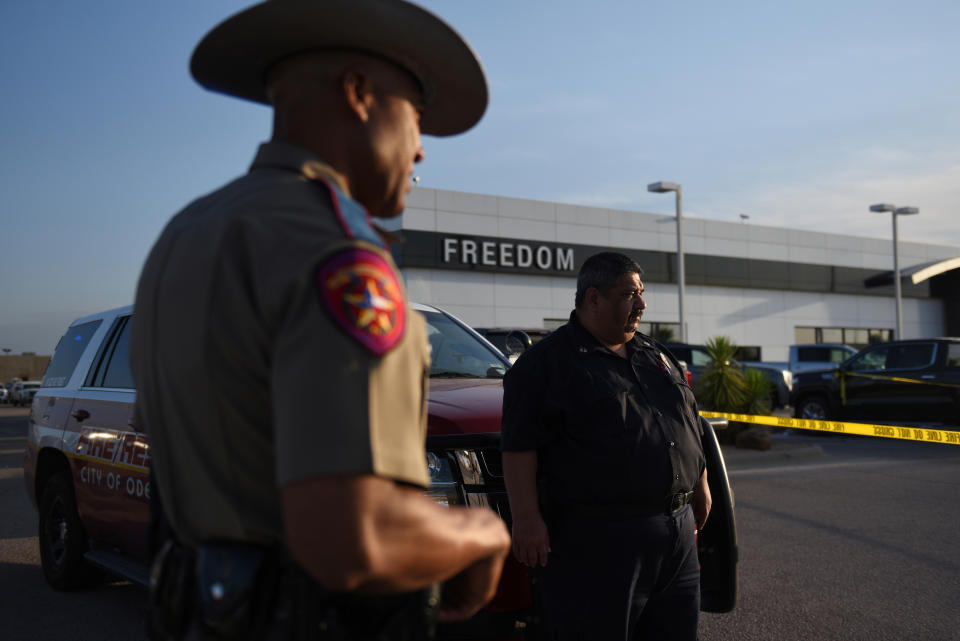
722, 385
726, 386
759, 393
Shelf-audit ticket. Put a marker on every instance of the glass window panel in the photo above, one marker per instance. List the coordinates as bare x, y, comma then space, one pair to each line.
953, 355
700, 357
857, 337
805, 335
872, 360
812, 354
831, 335
118, 372
455, 353
665, 332
911, 356
68, 352
839, 355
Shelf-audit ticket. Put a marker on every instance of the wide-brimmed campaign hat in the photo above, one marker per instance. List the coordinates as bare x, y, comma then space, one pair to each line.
235, 56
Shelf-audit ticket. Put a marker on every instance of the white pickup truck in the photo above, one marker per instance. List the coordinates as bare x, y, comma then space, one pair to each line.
804, 358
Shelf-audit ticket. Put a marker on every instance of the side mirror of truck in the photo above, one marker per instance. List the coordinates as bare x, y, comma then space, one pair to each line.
517, 342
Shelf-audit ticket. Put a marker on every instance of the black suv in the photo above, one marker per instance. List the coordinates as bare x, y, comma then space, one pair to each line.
900, 381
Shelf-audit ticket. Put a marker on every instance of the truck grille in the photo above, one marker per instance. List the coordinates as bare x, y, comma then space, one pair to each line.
492, 462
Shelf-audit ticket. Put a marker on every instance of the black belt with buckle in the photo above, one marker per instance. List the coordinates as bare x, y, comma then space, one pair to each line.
670, 505
677, 501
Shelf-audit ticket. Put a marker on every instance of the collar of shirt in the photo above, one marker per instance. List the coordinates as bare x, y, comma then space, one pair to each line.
285, 155
585, 342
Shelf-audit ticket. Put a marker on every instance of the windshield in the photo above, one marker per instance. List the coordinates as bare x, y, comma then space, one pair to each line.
886, 357
456, 353
700, 357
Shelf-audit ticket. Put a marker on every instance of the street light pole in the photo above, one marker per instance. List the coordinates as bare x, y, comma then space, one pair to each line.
660, 188
896, 211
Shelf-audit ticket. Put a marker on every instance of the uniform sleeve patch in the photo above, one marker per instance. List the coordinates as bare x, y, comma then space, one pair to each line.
361, 293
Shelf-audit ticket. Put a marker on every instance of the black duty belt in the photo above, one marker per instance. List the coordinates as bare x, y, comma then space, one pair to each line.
236, 591
627, 509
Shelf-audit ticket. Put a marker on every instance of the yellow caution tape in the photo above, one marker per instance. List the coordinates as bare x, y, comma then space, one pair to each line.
882, 377
927, 435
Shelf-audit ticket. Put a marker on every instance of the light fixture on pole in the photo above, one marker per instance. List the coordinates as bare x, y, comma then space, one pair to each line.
661, 188
896, 211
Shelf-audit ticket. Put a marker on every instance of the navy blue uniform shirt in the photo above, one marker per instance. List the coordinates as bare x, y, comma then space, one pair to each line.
608, 430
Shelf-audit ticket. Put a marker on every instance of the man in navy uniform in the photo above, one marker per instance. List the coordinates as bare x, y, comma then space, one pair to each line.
605, 469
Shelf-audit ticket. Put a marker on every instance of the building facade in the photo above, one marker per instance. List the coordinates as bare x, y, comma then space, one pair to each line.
506, 262
24, 367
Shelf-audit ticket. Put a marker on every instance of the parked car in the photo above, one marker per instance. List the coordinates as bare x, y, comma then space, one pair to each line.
900, 381
87, 465
14, 392
23, 392
4, 395
698, 359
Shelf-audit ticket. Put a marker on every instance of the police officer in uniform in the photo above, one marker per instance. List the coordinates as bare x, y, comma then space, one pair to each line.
605, 469
281, 373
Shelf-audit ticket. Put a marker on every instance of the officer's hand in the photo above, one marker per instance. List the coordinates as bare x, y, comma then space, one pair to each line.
466, 593
531, 542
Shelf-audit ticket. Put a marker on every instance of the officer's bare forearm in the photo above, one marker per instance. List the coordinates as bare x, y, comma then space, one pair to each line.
520, 476
531, 540
703, 486
369, 534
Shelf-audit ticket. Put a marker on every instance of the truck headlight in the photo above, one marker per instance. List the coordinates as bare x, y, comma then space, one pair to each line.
443, 484
469, 463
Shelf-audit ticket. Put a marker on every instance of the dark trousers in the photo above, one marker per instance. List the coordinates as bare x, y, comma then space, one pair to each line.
622, 579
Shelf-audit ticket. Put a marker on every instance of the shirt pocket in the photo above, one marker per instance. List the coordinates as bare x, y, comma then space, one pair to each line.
687, 402
601, 408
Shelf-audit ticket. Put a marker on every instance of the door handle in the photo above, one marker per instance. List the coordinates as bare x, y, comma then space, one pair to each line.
81, 415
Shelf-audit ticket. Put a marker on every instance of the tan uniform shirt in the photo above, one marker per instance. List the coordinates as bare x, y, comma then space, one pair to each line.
272, 342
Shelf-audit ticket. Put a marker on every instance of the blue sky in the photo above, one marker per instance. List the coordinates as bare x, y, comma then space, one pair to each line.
797, 114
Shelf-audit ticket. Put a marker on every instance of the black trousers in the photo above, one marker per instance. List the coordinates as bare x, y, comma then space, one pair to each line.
622, 579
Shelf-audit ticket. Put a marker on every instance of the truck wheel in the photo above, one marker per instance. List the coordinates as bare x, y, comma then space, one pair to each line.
62, 539
812, 407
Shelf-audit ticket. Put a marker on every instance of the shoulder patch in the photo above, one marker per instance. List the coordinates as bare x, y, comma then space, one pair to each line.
362, 294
